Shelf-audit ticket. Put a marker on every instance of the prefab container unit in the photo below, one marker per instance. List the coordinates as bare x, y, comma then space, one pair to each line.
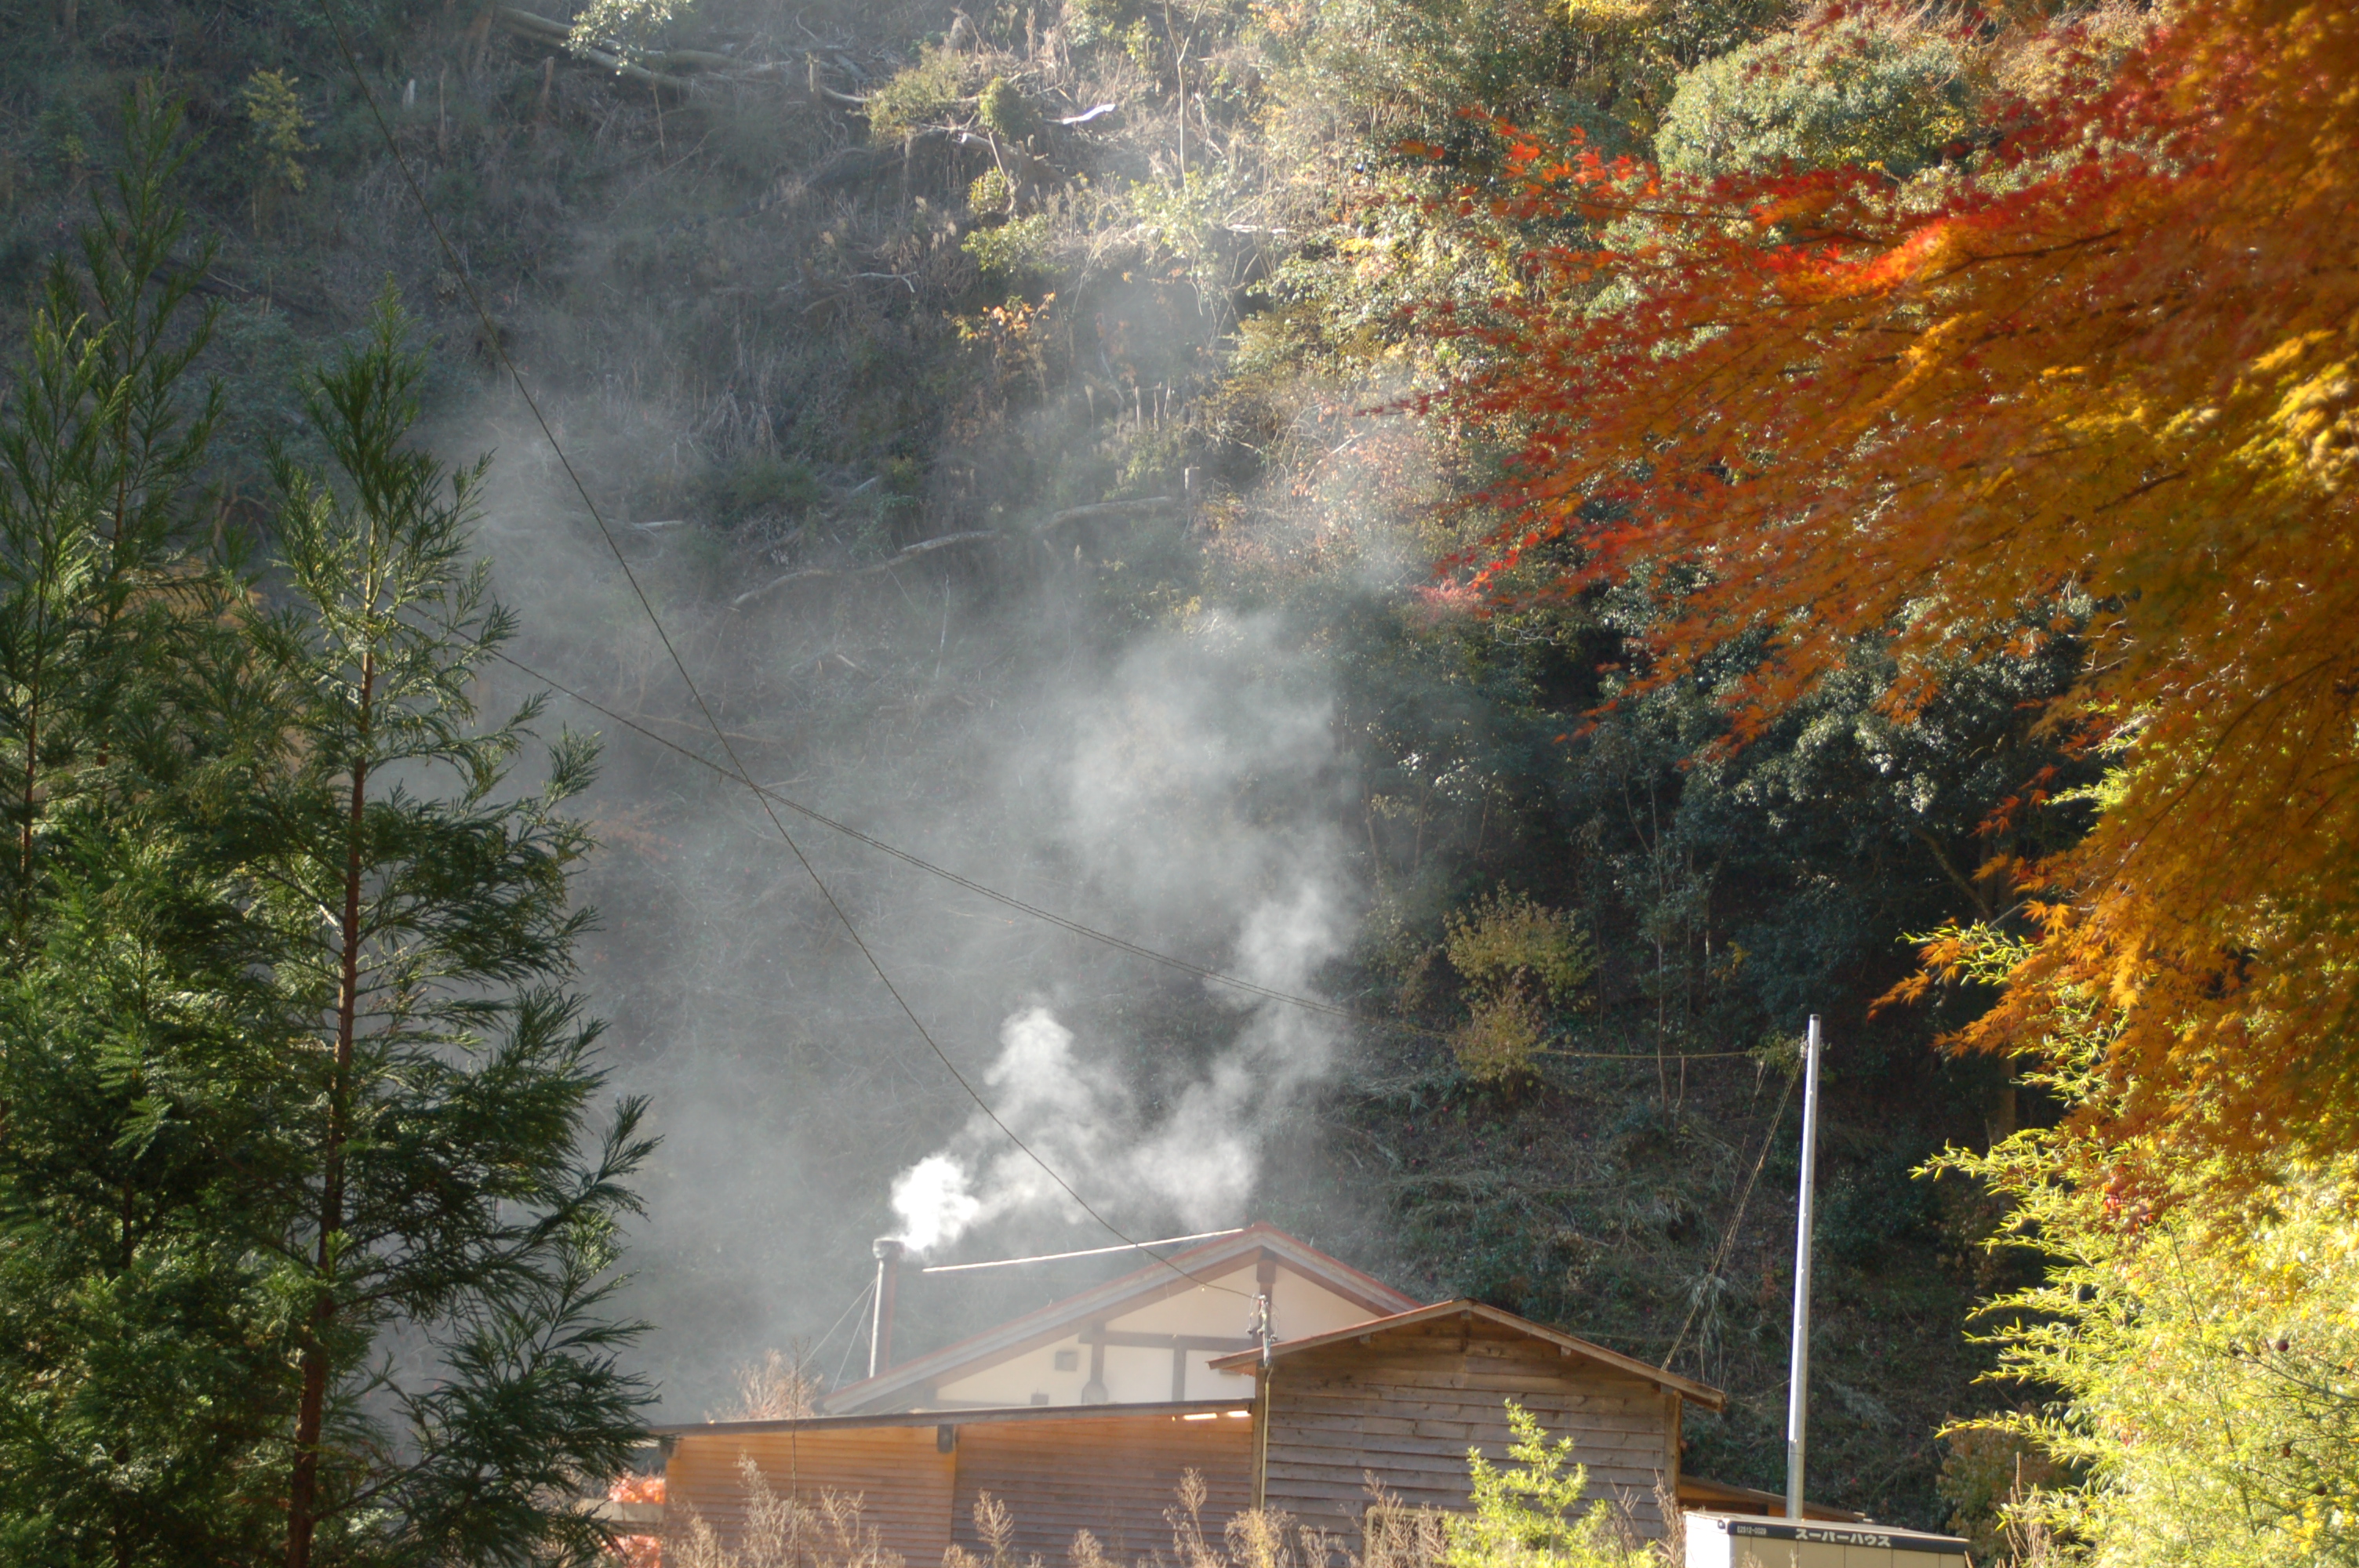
1743, 1541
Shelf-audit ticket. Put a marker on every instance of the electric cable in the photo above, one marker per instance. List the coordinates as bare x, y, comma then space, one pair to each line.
858, 1297
1084, 1252
1728, 1238
492, 337
1049, 917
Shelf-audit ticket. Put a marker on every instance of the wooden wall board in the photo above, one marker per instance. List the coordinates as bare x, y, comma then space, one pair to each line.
1113, 1474
1114, 1478
904, 1484
1404, 1408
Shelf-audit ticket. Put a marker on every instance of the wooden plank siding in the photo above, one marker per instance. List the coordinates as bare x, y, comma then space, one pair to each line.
1114, 1478
902, 1482
1113, 1474
1407, 1404
1399, 1400
905, 1485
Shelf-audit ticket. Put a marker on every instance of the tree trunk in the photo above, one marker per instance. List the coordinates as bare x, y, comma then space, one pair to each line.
302, 1494
25, 830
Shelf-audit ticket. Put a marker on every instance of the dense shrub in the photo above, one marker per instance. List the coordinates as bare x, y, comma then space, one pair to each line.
1869, 88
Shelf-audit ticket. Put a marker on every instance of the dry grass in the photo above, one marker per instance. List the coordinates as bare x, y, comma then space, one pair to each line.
779, 1387
781, 1532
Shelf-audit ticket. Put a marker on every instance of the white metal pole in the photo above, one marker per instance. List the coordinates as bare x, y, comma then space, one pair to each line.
888, 1252
1798, 1388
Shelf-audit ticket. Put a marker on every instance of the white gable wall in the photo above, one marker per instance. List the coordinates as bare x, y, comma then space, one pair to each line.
1219, 1310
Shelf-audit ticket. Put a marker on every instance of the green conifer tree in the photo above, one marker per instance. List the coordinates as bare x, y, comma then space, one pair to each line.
290, 1075
442, 1070
99, 457
139, 1360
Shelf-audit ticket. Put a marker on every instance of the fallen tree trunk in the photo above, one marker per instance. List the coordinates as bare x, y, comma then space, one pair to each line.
1110, 510
924, 547
822, 90
540, 30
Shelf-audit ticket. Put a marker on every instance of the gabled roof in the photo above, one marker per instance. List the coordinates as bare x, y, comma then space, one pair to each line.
1700, 1393
1181, 1272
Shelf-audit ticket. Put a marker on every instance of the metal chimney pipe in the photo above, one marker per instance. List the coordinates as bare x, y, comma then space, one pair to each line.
889, 1251
1798, 1385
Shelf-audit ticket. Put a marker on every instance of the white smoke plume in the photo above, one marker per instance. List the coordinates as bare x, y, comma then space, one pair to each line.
1183, 783
1153, 785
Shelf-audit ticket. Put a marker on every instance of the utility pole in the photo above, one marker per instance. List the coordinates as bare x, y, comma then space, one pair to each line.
1798, 1385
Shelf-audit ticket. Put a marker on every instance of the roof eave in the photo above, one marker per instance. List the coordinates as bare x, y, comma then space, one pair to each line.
972, 1416
1011, 1336
1696, 1394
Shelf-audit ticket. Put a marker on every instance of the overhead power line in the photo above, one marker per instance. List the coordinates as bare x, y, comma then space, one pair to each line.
770, 799
1049, 917
1084, 1252
492, 336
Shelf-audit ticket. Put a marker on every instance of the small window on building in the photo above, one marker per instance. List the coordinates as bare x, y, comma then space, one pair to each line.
1040, 1399
1069, 1361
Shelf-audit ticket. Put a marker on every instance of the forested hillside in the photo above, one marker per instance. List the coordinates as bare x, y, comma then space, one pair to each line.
1347, 492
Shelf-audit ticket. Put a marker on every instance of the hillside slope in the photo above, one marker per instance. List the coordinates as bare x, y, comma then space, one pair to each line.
995, 408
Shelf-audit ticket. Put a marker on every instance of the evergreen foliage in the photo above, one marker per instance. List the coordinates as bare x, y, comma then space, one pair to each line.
1886, 90
444, 1071
1535, 1511
141, 1365
276, 116
1002, 107
299, 1259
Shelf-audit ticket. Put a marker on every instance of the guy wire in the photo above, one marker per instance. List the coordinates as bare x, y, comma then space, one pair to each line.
492, 337
737, 771
1728, 1239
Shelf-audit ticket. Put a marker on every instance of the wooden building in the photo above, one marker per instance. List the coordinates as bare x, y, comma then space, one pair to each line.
1109, 1469
1405, 1398
1087, 1414
1147, 1338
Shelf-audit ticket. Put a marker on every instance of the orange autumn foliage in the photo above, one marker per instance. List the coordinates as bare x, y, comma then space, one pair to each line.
2116, 358
637, 1551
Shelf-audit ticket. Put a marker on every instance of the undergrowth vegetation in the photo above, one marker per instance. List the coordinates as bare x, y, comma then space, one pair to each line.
1534, 1510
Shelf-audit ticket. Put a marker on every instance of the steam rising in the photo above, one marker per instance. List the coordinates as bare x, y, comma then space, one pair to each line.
1144, 760
1080, 715
1182, 786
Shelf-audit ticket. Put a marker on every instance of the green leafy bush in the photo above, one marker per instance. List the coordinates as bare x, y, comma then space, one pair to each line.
917, 95
1005, 110
276, 126
1014, 249
2199, 1349
1535, 1512
629, 26
1088, 22
1877, 88
990, 193
1516, 959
